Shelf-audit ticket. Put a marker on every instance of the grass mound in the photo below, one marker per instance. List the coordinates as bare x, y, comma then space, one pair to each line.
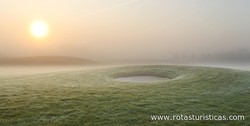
93, 97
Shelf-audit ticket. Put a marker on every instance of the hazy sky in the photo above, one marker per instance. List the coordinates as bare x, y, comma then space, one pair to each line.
123, 29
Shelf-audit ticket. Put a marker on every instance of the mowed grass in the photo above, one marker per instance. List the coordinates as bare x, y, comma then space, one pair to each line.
95, 98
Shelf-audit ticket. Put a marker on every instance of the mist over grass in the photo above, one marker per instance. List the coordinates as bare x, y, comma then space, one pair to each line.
94, 97
89, 94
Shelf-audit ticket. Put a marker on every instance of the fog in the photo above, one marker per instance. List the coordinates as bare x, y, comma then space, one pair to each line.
174, 31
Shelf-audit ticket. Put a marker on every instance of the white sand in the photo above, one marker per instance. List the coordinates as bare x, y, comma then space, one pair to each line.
141, 79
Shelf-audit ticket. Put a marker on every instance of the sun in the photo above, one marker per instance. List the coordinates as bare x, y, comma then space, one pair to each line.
39, 29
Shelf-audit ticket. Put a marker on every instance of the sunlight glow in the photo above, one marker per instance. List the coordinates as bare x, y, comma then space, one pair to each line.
39, 29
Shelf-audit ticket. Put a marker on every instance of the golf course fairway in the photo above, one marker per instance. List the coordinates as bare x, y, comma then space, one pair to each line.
95, 97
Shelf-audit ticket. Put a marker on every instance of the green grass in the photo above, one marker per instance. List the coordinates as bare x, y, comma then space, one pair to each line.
94, 98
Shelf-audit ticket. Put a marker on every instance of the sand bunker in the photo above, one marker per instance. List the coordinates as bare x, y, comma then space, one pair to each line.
141, 79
